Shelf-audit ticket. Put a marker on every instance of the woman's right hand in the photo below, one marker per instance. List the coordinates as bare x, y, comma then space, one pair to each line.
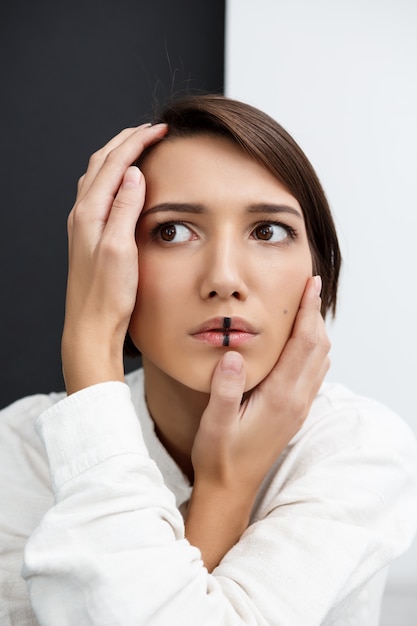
103, 259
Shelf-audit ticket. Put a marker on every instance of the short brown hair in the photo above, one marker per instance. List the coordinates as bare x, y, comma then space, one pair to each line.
269, 144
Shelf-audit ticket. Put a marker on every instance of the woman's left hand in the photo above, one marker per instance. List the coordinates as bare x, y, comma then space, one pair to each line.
238, 442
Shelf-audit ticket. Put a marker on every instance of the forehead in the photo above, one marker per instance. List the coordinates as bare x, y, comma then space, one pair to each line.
191, 151
208, 166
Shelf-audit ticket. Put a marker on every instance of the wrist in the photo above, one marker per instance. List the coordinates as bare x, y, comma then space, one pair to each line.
215, 521
88, 360
235, 503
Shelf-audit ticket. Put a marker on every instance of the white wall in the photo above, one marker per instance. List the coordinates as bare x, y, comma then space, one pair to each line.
341, 76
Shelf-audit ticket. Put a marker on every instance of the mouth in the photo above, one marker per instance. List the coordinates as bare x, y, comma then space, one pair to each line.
225, 332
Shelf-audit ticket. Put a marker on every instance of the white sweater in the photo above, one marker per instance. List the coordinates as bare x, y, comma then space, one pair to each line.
337, 507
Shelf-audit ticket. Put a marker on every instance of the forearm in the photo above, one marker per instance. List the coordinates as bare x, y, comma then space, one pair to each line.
114, 541
215, 521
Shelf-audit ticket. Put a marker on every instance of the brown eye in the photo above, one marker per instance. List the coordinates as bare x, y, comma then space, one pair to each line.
168, 232
273, 232
264, 232
173, 232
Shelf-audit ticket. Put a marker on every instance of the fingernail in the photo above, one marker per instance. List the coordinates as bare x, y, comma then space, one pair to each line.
232, 362
317, 284
131, 178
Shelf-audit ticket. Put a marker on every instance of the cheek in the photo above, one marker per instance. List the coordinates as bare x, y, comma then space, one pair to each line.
283, 293
159, 304
145, 319
283, 287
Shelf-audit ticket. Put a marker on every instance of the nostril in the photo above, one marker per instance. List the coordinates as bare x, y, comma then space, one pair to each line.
215, 294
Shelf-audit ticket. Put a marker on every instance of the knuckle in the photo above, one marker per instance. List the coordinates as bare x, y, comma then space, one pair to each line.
327, 344
78, 213
120, 204
280, 400
80, 182
113, 157
80, 217
70, 222
110, 247
118, 250
300, 407
228, 394
309, 341
297, 403
95, 158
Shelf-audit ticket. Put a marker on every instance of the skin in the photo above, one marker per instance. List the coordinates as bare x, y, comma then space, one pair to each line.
219, 265
215, 263
225, 445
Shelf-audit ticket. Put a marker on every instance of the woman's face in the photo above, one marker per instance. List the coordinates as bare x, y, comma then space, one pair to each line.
219, 237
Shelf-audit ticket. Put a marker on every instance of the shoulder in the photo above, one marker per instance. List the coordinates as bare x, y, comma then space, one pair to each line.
345, 429
354, 419
349, 445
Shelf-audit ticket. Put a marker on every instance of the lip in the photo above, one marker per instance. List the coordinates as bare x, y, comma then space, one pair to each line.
213, 332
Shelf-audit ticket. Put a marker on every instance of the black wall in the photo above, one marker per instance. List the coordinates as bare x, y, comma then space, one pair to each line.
72, 75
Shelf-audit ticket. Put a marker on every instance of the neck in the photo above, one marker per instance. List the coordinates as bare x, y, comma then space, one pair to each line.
176, 411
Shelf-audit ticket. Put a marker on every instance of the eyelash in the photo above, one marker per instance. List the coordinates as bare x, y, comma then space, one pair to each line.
291, 232
156, 230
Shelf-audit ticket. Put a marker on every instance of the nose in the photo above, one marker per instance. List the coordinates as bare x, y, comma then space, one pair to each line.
224, 271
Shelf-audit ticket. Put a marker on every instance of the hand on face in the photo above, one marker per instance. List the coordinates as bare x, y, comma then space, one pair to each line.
103, 266
237, 443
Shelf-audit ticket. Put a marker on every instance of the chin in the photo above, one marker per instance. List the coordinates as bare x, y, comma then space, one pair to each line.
253, 381
202, 384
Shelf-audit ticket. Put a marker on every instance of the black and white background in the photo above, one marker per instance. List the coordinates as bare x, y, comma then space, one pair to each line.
340, 76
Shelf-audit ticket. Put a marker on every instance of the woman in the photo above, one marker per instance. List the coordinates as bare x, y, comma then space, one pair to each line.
224, 483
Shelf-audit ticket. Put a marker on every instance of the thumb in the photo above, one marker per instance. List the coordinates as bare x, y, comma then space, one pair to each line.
227, 388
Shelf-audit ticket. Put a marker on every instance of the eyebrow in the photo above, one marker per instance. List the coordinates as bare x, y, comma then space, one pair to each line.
176, 207
274, 208
183, 207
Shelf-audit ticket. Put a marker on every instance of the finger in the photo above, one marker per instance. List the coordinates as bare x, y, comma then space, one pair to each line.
92, 210
227, 389
309, 343
95, 163
316, 362
97, 158
310, 303
108, 179
304, 343
127, 206
304, 353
